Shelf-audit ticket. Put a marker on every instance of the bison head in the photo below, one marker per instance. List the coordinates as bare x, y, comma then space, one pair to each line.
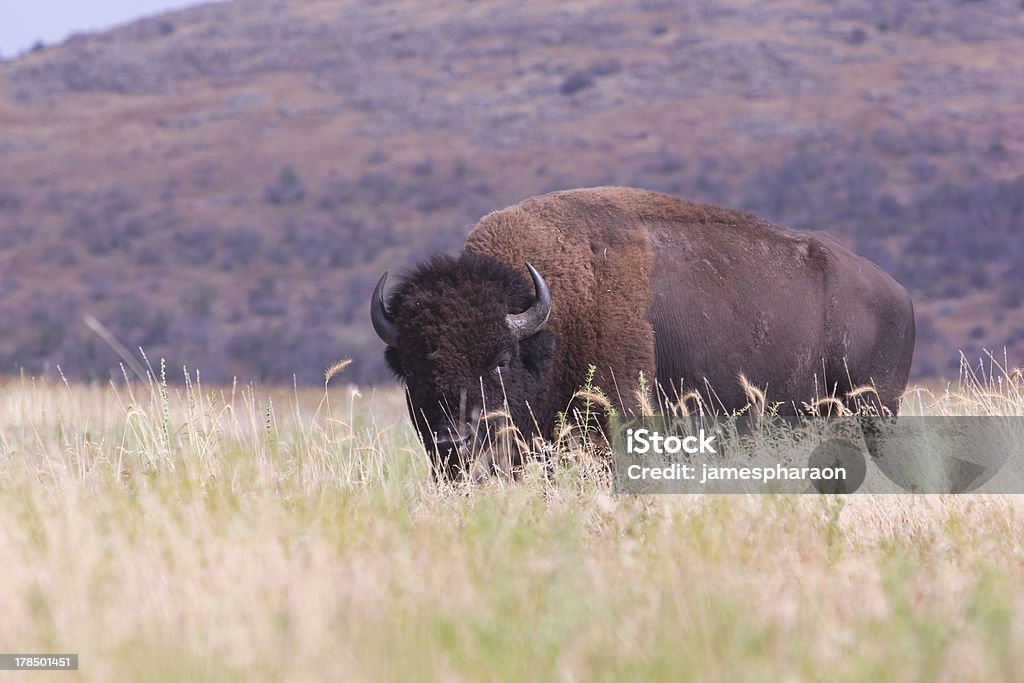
466, 337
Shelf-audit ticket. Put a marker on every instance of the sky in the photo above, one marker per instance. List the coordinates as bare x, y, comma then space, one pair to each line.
23, 22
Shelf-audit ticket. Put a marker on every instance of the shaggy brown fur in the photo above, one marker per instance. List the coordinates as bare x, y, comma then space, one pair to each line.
596, 258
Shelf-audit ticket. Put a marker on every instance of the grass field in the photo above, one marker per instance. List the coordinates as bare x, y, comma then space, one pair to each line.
190, 534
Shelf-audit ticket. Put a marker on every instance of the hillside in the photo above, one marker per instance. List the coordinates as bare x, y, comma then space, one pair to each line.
223, 185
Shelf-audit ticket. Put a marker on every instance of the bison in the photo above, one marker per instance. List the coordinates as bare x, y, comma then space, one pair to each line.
632, 284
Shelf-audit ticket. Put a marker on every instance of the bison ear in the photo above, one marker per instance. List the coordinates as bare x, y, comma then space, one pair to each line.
537, 351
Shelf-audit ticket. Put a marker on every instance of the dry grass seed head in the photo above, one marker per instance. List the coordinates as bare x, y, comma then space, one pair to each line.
755, 395
831, 402
336, 369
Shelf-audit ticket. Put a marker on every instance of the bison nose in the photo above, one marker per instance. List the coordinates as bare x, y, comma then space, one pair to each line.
451, 455
452, 437
454, 434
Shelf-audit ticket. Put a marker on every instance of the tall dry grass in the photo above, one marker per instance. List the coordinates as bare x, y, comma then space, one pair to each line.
191, 533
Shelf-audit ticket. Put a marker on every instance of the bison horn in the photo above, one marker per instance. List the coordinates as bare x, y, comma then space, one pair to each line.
529, 322
383, 325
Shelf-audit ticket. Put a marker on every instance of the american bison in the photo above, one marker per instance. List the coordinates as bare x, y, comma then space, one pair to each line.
631, 282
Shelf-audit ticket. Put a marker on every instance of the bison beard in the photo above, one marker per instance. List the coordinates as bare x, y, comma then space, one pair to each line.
634, 283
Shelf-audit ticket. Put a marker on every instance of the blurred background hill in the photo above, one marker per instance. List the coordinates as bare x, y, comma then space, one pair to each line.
223, 185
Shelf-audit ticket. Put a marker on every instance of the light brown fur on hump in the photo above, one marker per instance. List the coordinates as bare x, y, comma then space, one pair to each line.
593, 249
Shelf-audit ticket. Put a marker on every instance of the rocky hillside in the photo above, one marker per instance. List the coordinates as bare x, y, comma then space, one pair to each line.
223, 185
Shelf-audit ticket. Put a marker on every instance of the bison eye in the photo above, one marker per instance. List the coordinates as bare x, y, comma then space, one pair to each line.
501, 361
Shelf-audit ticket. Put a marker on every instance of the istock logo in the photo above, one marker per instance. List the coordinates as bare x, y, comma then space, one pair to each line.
643, 441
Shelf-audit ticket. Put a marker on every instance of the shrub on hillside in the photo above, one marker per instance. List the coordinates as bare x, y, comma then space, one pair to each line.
287, 188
